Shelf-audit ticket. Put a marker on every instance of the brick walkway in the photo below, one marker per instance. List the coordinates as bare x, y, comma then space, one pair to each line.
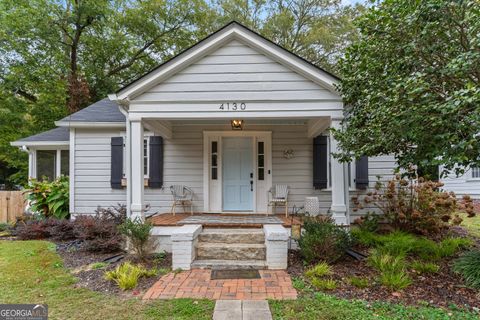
274, 284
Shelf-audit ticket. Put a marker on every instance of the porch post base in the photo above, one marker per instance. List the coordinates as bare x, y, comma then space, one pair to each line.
339, 214
136, 212
276, 242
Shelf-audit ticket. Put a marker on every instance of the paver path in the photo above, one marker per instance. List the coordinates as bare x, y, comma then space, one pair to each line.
196, 283
242, 310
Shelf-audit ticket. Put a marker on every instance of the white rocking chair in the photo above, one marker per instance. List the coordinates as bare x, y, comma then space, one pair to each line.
278, 197
182, 195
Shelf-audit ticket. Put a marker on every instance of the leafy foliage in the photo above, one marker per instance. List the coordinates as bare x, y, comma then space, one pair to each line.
126, 275
416, 206
425, 267
412, 84
323, 240
50, 198
324, 284
319, 270
468, 266
138, 234
359, 282
395, 280
98, 233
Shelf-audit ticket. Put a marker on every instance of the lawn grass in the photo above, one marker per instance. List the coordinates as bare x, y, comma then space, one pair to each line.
31, 272
325, 307
471, 224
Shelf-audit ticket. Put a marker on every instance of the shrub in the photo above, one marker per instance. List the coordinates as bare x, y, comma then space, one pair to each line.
138, 234
98, 233
385, 262
50, 198
397, 280
425, 267
468, 266
397, 243
323, 240
324, 284
62, 230
414, 205
33, 229
358, 282
4, 226
369, 222
320, 270
365, 237
126, 275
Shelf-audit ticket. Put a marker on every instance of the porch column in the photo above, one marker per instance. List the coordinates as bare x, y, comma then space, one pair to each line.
339, 207
136, 168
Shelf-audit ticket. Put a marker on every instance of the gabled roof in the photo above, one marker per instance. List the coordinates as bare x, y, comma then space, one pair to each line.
100, 111
233, 30
60, 136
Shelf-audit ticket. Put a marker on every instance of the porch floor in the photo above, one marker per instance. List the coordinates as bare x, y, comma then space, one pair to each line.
223, 220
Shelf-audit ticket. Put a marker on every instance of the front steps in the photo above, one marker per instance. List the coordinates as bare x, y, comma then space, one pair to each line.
231, 249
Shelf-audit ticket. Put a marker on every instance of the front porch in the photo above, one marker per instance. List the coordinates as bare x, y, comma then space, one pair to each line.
224, 220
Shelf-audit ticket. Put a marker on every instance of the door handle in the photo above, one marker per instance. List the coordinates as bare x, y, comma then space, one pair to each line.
251, 185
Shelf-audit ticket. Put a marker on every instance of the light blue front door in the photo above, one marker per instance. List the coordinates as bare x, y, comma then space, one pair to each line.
237, 172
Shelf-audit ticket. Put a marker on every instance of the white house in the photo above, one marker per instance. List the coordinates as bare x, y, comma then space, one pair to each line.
466, 184
174, 126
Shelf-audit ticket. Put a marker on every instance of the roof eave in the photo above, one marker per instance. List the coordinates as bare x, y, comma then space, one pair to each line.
88, 124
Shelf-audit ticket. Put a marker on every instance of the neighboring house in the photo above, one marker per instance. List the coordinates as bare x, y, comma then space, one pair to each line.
174, 126
466, 184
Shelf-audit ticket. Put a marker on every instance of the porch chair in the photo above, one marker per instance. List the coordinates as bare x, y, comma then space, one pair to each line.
182, 195
278, 196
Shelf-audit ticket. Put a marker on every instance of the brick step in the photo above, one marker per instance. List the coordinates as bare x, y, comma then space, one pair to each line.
253, 236
230, 251
229, 264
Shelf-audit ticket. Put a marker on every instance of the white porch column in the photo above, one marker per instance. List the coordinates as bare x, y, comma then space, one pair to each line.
339, 207
136, 168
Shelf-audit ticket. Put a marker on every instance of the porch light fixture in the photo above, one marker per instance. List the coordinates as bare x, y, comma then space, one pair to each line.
237, 124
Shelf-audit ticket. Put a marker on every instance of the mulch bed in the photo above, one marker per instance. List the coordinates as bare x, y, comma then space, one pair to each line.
440, 290
78, 261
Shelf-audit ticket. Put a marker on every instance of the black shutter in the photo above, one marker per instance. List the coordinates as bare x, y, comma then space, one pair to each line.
116, 167
361, 172
156, 162
320, 162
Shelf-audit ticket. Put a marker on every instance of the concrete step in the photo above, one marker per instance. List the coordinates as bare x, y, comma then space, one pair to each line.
232, 236
229, 264
230, 251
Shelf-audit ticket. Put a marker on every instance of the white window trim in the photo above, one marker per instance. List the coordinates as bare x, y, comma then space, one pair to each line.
146, 135
470, 176
57, 166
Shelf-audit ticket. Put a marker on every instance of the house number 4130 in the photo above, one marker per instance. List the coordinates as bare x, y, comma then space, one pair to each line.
233, 106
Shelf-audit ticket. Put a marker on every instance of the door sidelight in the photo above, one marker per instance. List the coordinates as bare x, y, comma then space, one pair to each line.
251, 181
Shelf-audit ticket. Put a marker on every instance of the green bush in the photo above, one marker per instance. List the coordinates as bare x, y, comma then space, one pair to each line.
126, 275
358, 282
51, 199
395, 280
425, 267
138, 234
385, 262
450, 246
322, 240
468, 266
397, 243
320, 270
324, 284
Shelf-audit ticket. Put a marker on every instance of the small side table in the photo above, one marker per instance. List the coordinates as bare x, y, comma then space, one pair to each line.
312, 206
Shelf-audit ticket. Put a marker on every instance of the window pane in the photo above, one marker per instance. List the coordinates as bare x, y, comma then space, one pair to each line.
260, 147
261, 174
64, 163
261, 160
214, 173
214, 146
214, 160
475, 172
46, 164
145, 156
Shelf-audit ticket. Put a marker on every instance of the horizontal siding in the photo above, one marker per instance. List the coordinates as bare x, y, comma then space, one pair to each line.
236, 72
183, 164
462, 185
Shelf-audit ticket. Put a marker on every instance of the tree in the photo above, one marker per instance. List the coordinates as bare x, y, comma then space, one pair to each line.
57, 57
411, 84
317, 30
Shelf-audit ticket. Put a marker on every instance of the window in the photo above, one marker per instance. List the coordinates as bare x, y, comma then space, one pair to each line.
46, 164
65, 162
475, 172
261, 160
214, 164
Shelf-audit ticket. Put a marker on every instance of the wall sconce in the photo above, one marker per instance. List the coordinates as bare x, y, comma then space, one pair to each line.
237, 124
